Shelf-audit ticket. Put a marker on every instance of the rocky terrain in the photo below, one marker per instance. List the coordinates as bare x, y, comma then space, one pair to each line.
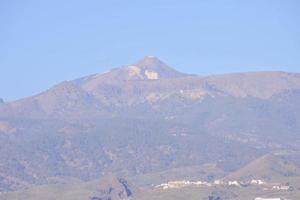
148, 120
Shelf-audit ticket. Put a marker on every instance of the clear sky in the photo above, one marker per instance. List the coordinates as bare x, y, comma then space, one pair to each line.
45, 42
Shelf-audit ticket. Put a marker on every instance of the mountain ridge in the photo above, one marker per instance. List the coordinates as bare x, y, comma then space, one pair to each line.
89, 127
118, 88
90, 83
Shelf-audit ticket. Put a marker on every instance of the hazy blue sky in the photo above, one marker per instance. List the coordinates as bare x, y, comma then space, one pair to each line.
45, 42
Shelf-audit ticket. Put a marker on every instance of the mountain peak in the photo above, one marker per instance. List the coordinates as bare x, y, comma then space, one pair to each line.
152, 67
150, 61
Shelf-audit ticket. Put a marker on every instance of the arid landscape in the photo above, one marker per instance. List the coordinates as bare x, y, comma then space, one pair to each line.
149, 100
147, 131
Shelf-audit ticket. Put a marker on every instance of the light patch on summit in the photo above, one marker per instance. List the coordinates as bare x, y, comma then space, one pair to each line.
152, 75
134, 71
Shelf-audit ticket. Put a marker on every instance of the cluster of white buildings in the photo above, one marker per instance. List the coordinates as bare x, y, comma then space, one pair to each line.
268, 186
180, 184
257, 182
184, 183
282, 187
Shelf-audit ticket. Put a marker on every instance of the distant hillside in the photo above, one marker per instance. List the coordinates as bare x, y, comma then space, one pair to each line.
268, 167
147, 118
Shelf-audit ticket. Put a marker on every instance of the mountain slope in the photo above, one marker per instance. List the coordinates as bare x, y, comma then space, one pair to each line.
268, 167
147, 118
148, 81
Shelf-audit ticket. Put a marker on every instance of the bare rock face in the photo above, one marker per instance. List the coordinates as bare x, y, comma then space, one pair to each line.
113, 188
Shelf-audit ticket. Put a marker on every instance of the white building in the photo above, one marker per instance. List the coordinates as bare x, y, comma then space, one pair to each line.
282, 187
234, 183
257, 182
218, 182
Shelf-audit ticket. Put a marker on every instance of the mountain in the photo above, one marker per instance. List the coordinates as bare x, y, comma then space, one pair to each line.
148, 81
147, 118
268, 167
